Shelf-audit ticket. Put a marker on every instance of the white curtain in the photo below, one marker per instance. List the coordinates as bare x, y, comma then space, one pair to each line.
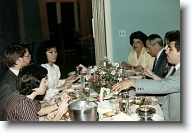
99, 29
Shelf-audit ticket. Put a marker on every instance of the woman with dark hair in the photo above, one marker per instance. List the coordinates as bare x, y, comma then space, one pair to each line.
48, 52
139, 57
21, 105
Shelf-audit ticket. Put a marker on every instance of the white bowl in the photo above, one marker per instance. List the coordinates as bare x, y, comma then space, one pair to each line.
72, 73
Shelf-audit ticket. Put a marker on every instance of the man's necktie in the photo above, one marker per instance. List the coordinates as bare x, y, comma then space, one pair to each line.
166, 71
174, 70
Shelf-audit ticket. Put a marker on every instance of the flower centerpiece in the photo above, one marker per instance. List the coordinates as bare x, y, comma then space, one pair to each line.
105, 75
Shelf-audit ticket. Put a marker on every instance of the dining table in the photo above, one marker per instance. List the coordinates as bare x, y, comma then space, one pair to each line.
106, 100
110, 103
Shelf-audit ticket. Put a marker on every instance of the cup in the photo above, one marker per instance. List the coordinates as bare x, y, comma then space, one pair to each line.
107, 90
125, 95
115, 104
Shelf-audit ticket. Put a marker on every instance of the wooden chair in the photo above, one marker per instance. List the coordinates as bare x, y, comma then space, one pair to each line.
69, 53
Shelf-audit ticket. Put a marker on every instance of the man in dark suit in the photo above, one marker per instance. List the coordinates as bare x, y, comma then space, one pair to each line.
16, 57
154, 45
169, 86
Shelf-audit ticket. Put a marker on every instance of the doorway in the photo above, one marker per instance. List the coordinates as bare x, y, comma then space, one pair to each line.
75, 17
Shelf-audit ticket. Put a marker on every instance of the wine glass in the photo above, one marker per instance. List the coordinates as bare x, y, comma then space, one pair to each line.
87, 93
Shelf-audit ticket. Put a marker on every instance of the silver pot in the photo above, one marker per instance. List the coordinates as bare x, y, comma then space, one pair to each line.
145, 112
83, 111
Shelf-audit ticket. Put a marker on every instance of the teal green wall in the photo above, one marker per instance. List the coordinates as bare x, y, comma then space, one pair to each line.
149, 16
32, 22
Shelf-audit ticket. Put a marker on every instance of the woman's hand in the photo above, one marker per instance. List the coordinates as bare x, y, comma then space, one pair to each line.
65, 96
66, 85
70, 78
148, 72
63, 105
44, 104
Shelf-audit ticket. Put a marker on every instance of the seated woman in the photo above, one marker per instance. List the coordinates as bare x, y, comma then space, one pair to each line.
139, 57
47, 56
22, 106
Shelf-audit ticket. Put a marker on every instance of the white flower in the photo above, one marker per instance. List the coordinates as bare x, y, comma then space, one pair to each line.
94, 69
113, 72
116, 64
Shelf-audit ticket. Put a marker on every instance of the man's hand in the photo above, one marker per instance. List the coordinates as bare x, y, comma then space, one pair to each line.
124, 85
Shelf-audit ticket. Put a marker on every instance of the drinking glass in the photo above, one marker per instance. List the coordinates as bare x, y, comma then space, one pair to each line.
124, 106
115, 104
124, 103
87, 92
81, 95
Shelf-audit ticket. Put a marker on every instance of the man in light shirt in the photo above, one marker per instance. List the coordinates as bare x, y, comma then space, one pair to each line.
16, 57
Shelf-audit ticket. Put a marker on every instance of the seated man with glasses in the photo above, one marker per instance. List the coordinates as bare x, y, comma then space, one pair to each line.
16, 57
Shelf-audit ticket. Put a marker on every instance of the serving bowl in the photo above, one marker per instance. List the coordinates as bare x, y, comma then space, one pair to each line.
83, 111
145, 112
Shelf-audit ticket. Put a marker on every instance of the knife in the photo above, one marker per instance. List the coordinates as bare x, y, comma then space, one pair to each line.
76, 80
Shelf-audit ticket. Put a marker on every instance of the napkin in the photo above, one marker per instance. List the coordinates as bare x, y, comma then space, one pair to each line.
157, 117
122, 117
83, 67
103, 107
104, 104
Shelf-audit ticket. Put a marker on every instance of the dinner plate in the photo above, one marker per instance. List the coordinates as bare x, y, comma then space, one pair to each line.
69, 90
93, 94
91, 99
136, 77
101, 111
129, 71
77, 85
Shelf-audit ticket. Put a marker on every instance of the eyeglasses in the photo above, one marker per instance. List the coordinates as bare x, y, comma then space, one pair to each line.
28, 56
